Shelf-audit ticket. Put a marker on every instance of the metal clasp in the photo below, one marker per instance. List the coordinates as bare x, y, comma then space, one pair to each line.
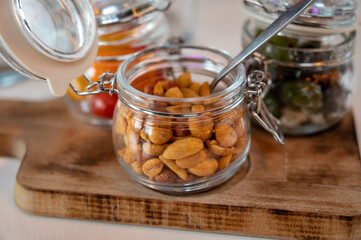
106, 78
258, 86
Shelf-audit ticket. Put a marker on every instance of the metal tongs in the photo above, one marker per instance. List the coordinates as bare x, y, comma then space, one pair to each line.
280, 23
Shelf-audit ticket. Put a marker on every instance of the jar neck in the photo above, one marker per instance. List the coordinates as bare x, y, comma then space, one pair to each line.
303, 50
153, 65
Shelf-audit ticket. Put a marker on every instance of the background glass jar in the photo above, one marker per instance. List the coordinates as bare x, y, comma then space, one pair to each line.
312, 77
117, 41
180, 144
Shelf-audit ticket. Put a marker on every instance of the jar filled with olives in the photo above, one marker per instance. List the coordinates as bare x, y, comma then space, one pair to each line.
310, 63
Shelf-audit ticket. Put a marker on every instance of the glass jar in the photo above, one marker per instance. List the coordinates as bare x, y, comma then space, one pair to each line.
121, 32
310, 66
178, 144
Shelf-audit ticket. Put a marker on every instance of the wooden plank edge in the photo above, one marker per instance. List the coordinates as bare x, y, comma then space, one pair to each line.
187, 216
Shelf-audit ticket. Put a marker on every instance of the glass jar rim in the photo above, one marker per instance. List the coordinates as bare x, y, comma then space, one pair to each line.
121, 75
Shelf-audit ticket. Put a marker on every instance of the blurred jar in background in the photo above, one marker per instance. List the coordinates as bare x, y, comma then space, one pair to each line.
124, 28
182, 19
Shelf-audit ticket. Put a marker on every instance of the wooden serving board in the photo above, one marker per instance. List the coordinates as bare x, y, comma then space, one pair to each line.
310, 188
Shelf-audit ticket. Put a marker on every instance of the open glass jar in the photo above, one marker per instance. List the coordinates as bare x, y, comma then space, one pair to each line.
123, 29
310, 63
184, 144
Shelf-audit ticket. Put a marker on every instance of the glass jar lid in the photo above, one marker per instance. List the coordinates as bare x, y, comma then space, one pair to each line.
121, 11
48, 40
331, 15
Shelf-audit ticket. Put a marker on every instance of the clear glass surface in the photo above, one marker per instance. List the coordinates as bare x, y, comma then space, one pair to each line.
312, 78
163, 142
62, 29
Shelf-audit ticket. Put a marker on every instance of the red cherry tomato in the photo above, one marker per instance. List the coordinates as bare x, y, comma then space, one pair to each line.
103, 105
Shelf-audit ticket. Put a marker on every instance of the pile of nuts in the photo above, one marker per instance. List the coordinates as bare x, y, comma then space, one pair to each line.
173, 150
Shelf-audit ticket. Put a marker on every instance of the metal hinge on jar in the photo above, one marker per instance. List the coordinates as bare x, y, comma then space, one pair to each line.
258, 86
106, 78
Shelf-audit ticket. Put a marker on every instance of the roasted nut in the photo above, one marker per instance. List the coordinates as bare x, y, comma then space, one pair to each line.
152, 167
205, 168
201, 127
121, 153
225, 135
160, 135
183, 148
166, 176
218, 150
191, 161
174, 92
224, 161
198, 108
158, 89
173, 166
154, 149
133, 136
121, 125
182, 108
137, 167
189, 93
143, 135
195, 87
133, 154
172, 84
181, 130
184, 80
190, 178
204, 90
149, 88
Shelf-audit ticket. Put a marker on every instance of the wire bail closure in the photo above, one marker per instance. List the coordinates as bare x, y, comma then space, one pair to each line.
106, 78
258, 86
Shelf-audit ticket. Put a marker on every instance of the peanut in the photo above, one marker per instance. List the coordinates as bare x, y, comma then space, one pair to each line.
152, 167
133, 137
204, 90
224, 161
173, 93
189, 93
133, 154
183, 108
121, 153
173, 166
153, 149
181, 130
183, 148
205, 168
143, 135
191, 161
198, 108
121, 125
195, 87
225, 135
137, 167
149, 88
159, 135
218, 150
184, 80
166, 176
201, 127
158, 89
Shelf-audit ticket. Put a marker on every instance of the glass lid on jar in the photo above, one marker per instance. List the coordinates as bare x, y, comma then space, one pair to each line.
327, 15
48, 40
121, 11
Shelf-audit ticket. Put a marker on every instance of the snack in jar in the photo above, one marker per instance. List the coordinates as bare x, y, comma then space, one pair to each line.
309, 62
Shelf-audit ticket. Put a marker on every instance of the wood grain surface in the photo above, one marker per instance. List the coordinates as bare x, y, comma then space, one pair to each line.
310, 188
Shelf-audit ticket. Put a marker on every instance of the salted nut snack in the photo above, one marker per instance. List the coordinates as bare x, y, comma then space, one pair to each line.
180, 150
